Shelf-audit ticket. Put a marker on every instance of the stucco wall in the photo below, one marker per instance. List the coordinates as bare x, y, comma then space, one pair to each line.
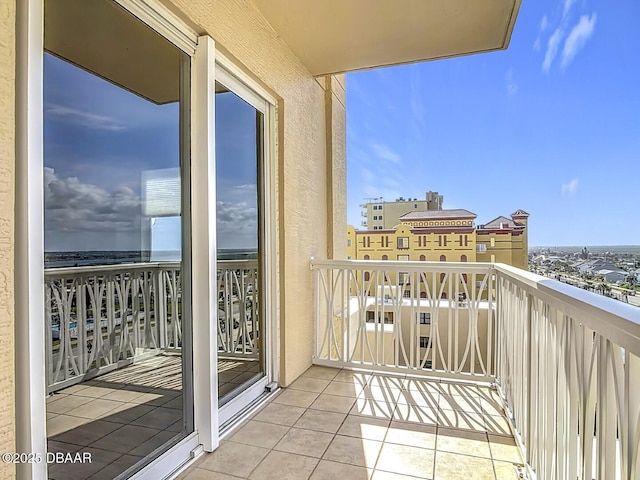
238, 27
7, 171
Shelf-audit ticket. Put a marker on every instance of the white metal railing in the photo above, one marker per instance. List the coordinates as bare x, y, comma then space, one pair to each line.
413, 316
103, 317
566, 360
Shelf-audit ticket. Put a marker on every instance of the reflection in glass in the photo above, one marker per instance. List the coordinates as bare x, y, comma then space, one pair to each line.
114, 292
240, 349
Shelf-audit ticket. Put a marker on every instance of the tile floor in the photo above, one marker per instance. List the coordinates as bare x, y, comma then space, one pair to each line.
339, 424
124, 415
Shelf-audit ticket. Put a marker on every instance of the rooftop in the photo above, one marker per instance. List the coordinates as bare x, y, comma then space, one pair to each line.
438, 214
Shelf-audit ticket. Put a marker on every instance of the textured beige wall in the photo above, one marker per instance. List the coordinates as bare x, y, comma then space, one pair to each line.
238, 27
7, 171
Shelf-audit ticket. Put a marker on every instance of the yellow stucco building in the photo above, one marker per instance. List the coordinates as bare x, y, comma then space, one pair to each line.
447, 236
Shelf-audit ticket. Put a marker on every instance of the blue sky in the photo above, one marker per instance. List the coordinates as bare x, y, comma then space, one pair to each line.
551, 126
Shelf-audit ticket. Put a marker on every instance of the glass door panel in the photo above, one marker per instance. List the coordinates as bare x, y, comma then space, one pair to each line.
241, 356
117, 329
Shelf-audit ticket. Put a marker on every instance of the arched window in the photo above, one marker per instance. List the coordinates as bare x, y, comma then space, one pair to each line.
423, 258
443, 258
366, 276
464, 277
442, 275
366, 257
444, 295
384, 257
423, 294
463, 258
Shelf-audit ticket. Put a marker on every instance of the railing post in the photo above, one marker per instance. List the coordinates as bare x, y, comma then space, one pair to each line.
160, 300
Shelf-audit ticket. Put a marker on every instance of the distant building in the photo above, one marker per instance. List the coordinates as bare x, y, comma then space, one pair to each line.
445, 235
381, 215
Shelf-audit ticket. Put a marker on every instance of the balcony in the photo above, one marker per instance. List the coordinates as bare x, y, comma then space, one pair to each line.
418, 367
114, 357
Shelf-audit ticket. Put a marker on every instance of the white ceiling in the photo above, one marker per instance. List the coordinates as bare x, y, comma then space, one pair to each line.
336, 36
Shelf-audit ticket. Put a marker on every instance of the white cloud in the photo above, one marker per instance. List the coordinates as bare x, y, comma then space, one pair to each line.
578, 37
537, 44
544, 23
78, 117
512, 86
567, 7
385, 153
73, 206
552, 49
570, 188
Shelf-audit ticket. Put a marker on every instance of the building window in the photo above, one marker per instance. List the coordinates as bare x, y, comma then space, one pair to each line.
423, 294
443, 258
493, 242
493, 258
403, 258
460, 241
366, 257
367, 276
403, 278
439, 240
423, 258
424, 342
403, 242
463, 258
348, 242
424, 318
384, 257
481, 247
406, 294
442, 275
466, 240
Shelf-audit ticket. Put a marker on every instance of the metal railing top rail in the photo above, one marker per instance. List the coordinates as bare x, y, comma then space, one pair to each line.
615, 320
403, 265
618, 321
106, 268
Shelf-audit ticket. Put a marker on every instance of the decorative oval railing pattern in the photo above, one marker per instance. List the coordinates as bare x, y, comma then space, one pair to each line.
238, 325
419, 317
103, 317
567, 361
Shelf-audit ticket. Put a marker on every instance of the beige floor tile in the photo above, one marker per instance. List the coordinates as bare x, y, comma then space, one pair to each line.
380, 475
296, 398
412, 434
333, 403
127, 412
416, 414
351, 376
280, 414
325, 373
492, 407
67, 403
88, 433
364, 427
505, 470
459, 389
450, 466
387, 381
464, 420
465, 442
74, 388
345, 389
125, 439
113, 469
327, 470
149, 398
202, 474
354, 451
504, 448
64, 423
233, 459
460, 403
497, 425
421, 398
160, 418
305, 442
321, 421
153, 443
96, 408
284, 466
386, 394
309, 384
122, 395
95, 392
373, 408
406, 460
260, 434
